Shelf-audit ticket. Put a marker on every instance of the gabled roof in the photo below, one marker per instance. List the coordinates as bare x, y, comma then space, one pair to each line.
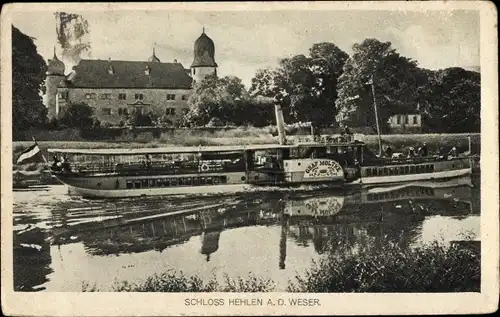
129, 74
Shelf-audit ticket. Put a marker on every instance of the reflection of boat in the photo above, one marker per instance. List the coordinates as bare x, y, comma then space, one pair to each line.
420, 191
155, 171
30, 179
322, 206
330, 204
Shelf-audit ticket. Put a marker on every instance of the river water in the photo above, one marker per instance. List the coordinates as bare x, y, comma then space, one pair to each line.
66, 243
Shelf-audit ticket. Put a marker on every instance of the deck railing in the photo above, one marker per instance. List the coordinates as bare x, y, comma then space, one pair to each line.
156, 167
411, 160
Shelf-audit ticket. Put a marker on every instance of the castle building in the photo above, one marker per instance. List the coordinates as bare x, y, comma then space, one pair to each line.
117, 89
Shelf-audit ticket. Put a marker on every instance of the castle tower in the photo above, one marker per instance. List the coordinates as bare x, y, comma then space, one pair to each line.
204, 62
55, 74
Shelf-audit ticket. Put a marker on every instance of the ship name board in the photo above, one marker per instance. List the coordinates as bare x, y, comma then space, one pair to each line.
324, 168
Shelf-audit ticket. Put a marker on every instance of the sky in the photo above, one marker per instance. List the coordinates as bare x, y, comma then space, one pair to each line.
248, 40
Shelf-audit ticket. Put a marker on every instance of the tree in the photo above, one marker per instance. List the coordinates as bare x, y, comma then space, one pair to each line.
453, 101
263, 83
305, 86
78, 115
28, 76
214, 97
397, 82
73, 36
139, 119
162, 122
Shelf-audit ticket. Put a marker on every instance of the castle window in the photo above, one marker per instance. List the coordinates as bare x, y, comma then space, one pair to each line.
139, 97
122, 96
105, 96
194, 71
184, 97
406, 119
415, 120
63, 95
398, 118
170, 97
106, 111
170, 111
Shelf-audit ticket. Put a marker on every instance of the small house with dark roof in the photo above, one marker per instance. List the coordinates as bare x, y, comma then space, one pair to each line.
117, 89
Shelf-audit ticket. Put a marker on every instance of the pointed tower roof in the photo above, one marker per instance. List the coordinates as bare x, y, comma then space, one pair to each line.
55, 66
204, 51
153, 57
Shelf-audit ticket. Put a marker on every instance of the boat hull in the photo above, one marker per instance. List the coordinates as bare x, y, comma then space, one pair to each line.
141, 192
238, 188
391, 179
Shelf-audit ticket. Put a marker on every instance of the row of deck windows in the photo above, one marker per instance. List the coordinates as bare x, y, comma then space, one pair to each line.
176, 181
400, 170
421, 192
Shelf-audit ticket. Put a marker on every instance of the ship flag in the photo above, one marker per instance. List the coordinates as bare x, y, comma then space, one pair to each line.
31, 154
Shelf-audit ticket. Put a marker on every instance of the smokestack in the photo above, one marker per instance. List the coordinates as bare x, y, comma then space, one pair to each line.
280, 124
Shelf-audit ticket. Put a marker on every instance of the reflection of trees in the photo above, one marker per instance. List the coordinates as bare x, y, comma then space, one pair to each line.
31, 266
161, 233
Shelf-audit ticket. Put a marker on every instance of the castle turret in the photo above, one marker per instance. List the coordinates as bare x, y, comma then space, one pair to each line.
153, 58
204, 61
55, 74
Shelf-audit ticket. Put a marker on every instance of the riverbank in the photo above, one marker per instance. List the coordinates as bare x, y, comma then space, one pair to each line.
371, 268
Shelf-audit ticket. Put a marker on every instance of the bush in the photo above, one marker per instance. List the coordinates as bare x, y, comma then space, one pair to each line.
77, 115
173, 281
393, 268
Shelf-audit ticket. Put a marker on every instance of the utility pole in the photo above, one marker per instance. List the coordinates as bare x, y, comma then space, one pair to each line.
376, 117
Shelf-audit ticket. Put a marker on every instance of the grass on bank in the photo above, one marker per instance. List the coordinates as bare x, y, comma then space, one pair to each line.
369, 268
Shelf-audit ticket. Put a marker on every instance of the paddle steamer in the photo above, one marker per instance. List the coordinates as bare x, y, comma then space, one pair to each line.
113, 173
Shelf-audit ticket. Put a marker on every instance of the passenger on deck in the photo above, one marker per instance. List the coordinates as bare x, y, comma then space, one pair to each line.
423, 151
388, 151
453, 152
348, 134
411, 152
57, 164
65, 163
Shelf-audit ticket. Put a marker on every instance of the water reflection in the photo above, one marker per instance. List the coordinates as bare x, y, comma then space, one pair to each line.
31, 259
321, 220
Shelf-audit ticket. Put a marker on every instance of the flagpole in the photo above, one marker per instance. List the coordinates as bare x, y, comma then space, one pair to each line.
376, 118
43, 156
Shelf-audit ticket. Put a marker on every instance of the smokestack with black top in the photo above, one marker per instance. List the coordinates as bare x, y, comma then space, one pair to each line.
280, 123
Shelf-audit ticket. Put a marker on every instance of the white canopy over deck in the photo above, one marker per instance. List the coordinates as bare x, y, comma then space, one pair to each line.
191, 149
